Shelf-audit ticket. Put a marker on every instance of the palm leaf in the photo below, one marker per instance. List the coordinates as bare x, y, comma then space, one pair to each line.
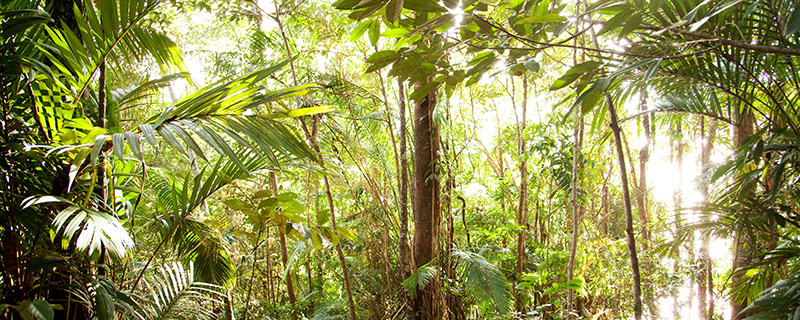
175, 294
180, 197
420, 279
483, 281
222, 112
91, 230
781, 301
109, 30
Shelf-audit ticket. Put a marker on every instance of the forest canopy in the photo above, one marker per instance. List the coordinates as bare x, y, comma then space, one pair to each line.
399, 159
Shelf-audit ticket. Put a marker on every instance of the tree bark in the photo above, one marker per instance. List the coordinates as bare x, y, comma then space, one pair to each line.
641, 190
273, 184
312, 136
678, 204
743, 246
404, 252
705, 279
576, 206
522, 210
637, 287
426, 201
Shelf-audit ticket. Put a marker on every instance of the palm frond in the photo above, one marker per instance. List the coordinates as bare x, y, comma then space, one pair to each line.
175, 294
226, 109
420, 279
333, 310
180, 197
781, 301
90, 230
483, 281
206, 249
692, 100
109, 31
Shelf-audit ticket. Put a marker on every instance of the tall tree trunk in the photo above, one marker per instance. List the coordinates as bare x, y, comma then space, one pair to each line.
312, 137
522, 210
743, 246
641, 196
273, 184
576, 206
637, 287
404, 252
705, 279
678, 204
644, 157
270, 284
426, 201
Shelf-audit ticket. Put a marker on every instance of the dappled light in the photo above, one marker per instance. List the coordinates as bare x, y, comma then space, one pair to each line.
399, 159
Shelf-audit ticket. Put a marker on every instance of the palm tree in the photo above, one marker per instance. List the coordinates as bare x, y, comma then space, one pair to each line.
56, 101
735, 62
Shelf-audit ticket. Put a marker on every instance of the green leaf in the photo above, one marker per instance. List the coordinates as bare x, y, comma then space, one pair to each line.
345, 4
393, 10
105, 304
420, 279
651, 70
615, 21
423, 6
98, 147
323, 217
236, 204
374, 32
395, 33
484, 281
424, 90
752, 272
40, 310
574, 73
260, 194
545, 18
360, 29
44, 199
307, 111
532, 65
347, 233
794, 21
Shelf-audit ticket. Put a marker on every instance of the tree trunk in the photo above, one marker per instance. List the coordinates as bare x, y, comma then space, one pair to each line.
576, 206
705, 278
743, 247
641, 190
637, 287
312, 137
678, 204
522, 211
404, 252
273, 184
426, 201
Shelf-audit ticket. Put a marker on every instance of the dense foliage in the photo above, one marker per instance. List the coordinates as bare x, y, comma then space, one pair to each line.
388, 159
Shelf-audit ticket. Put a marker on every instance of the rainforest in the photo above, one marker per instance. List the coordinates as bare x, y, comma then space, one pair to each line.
399, 159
